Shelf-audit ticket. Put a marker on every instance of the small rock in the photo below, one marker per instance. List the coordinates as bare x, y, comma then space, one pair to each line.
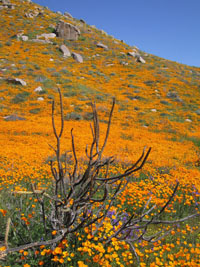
103, 32
40, 99
17, 81
93, 27
132, 53
102, 46
154, 110
188, 120
82, 21
136, 55
77, 57
51, 59
38, 89
41, 41
24, 38
46, 36
140, 59
59, 13
68, 15
65, 50
40, 79
13, 117
124, 63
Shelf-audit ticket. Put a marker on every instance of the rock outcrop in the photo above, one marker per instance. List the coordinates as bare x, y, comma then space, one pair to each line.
64, 49
67, 31
14, 117
102, 46
16, 81
137, 56
77, 57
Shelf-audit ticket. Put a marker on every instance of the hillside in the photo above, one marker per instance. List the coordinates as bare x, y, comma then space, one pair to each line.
157, 104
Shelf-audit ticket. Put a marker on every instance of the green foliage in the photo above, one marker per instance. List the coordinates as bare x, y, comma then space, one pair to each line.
73, 116
35, 110
21, 97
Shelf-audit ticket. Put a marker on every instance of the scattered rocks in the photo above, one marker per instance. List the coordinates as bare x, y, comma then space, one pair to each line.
124, 63
174, 96
14, 117
33, 13
137, 56
140, 59
93, 27
103, 32
46, 36
40, 79
24, 38
82, 21
102, 46
132, 53
68, 15
41, 41
16, 81
67, 31
64, 49
38, 89
40, 98
6, 4
77, 57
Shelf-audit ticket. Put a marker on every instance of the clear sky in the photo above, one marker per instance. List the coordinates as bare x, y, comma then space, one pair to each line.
165, 28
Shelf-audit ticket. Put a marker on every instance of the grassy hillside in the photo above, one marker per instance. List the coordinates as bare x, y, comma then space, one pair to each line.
157, 105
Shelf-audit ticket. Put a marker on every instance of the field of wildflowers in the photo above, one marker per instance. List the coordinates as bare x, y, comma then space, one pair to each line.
157, 105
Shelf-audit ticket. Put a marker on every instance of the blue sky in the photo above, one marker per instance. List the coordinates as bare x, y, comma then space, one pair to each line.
165, 28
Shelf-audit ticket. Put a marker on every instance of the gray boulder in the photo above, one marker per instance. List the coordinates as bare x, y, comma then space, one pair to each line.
67, 31
16, 81
102, 46
46, 36
77, 57
64, 49
68, 15
136, 55
24, 38
132, 53
140, 59
13, 117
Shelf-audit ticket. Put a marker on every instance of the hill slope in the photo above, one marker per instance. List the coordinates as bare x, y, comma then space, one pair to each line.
158, 102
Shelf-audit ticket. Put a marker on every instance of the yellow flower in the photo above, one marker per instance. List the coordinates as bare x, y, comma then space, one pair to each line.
57, 250
81, 264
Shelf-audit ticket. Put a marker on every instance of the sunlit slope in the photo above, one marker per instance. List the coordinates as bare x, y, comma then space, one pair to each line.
158, 102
